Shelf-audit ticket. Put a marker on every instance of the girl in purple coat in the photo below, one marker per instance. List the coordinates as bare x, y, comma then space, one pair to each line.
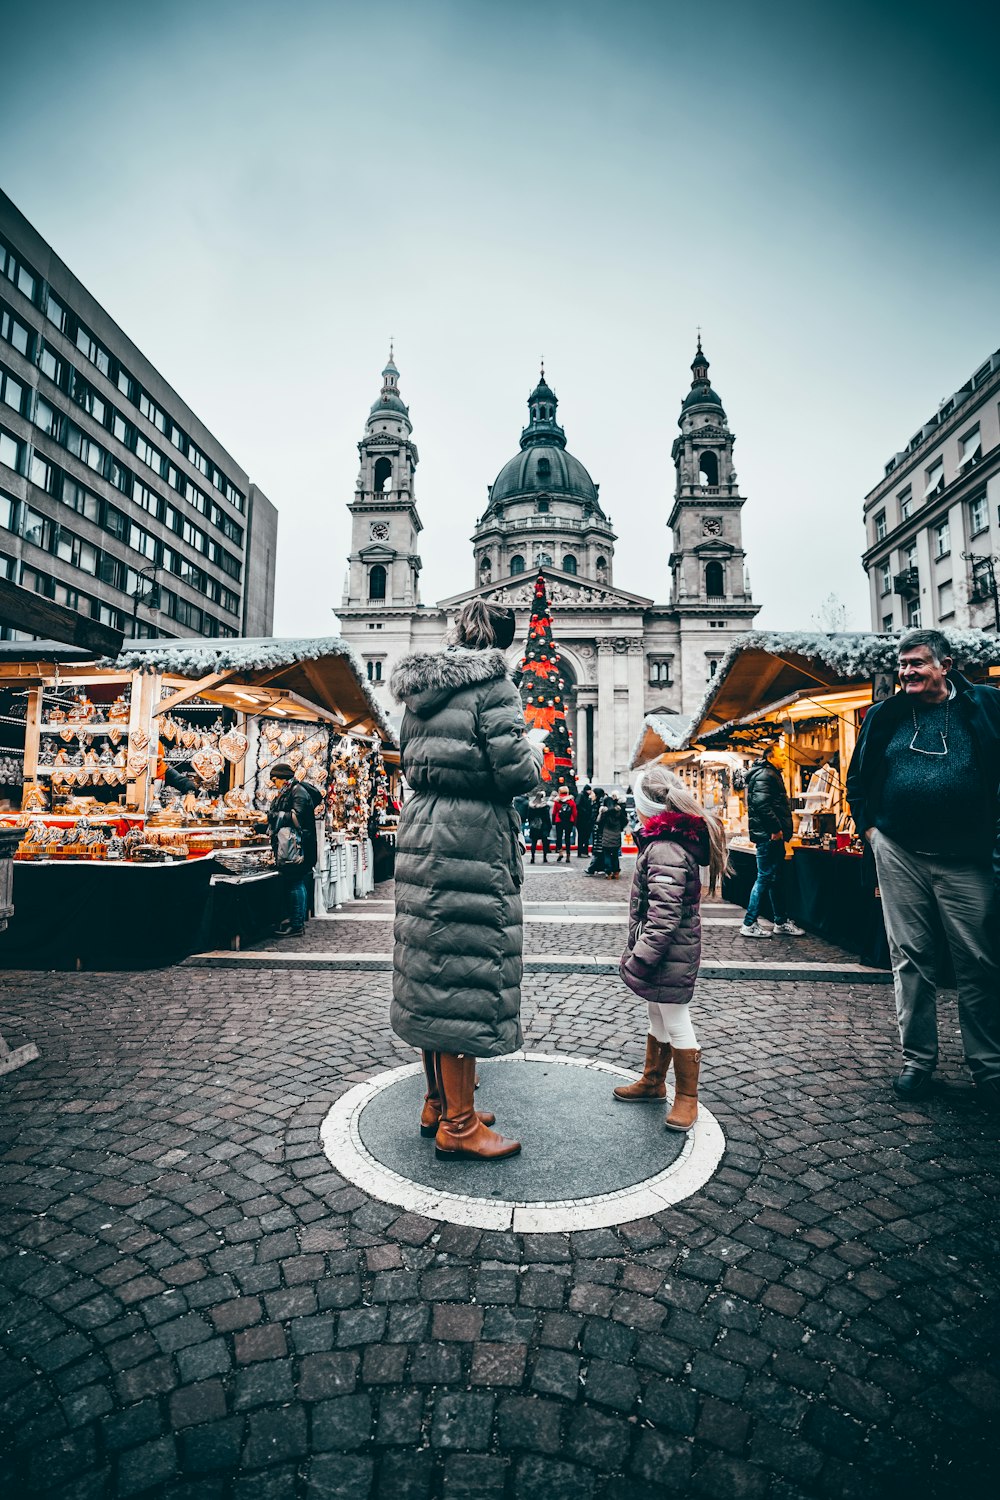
676, 839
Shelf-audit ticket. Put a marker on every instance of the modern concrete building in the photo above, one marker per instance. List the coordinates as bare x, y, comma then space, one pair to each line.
933, 522
623, 655
115, 499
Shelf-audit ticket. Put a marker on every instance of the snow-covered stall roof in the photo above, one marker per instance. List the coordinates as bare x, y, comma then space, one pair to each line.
659, 732
763, 666
324, 671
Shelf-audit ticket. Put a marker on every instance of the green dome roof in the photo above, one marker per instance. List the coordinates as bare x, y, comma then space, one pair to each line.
547, 468
389, 398
701, 394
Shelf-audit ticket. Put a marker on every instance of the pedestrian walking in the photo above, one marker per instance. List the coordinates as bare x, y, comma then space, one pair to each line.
291, 822
608, 837
563, 820
923, 789
586, 811
676, 837
769, 815
539, 825
457, 957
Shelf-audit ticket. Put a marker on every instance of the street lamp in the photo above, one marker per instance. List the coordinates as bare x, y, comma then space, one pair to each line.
152, 597
984, 581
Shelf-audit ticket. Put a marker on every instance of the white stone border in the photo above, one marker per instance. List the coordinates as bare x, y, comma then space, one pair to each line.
341, 1138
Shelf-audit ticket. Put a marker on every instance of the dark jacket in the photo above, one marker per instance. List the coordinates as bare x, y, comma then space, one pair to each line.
611, 820
663, 949
456, 984
768, 808
586, 811
979, 707
539, 820
295, 807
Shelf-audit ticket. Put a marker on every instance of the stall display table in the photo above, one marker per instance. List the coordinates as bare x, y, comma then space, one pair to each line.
99, 914
831, 894
244, 907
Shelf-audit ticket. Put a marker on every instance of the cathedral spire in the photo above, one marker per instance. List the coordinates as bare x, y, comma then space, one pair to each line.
542, 425
389, 398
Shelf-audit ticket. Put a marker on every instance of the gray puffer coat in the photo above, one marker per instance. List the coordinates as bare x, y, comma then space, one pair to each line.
456, 983
663, 950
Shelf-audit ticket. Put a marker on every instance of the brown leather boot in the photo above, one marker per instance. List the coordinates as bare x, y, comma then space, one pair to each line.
685, 1107
461, 1132
651, 1085
430, 1115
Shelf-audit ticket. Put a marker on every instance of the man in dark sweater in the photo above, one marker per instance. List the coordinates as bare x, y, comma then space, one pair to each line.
923, 789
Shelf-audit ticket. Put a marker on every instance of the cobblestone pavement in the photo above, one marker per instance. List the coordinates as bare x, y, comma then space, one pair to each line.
196, 1305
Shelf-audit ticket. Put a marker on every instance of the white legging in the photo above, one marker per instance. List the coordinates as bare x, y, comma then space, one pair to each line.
672, 1023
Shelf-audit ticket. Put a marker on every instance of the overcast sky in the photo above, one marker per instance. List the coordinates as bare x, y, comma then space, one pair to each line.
262, 194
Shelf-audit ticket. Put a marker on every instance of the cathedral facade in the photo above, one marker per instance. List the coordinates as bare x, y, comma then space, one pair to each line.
624, 655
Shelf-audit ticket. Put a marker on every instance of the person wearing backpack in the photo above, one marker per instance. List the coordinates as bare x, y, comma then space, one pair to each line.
291, 822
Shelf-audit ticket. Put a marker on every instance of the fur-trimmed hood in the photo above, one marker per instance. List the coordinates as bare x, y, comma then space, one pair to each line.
425, 680
681, 828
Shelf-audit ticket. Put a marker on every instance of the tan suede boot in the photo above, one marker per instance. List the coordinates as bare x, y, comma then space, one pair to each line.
430, 1115
461, 1132
687, 1062
651, 1085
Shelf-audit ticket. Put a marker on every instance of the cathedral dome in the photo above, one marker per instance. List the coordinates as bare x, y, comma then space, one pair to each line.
389, 398
544, 467
701, 393
543, 464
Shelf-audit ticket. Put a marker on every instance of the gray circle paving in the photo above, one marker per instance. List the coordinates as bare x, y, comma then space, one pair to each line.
577, 1140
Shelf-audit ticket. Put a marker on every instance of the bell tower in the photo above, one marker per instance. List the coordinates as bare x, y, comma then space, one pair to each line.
710, 589
384, 565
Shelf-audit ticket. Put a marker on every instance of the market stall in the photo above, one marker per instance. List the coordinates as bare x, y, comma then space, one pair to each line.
158, 763
808, 694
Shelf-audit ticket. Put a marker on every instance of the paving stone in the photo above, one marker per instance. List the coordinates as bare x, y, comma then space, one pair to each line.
214, 1447
498, 1364
460, 1323
194, 1404
344, 1423
556, 1373
474, 1477
610, 1385
400, 1415
404, 1475
266, 1342
656, 1455
142, 1468
547, 1479
325, 1375
597, 1440
436, 1364
462, 1421
263, 1384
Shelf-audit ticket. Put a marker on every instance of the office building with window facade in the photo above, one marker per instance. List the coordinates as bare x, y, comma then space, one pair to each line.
933, 522
115, 499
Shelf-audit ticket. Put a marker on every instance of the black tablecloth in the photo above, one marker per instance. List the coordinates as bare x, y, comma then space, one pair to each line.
105, 915
243, 909
830, 895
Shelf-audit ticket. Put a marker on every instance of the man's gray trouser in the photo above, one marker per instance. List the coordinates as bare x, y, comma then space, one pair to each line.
913, 888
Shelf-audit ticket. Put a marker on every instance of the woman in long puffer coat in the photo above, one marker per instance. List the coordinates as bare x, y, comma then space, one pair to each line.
457, 959
663, 951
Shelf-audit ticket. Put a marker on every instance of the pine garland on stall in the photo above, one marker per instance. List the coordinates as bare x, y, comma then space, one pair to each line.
543, 689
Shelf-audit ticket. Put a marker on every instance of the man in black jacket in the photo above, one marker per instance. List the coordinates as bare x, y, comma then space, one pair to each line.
770, 818
294, 806
923, 790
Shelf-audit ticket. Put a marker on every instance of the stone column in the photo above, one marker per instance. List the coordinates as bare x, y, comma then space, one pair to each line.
636, 690
605, 710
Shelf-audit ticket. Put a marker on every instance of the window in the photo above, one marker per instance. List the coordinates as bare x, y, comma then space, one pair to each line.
125, 384
382, 478
178, 439
569, 563
517, 564
880, 526
935, 479
942, 539
15, 332
38, 582
93, 351
199, 460
374, 671
10, 451
8, 512
12, 392
142, 541
885, 578
913, 614
715, 580
81, 500
51, 365
46, 419
116, 522
971, 449
73, 549
56, 313
887, 624
147, 498
713, 666
150, 410
37, 529
978, 515
230, 601
17, 272
225, 560
145, 451
197, 498
708, 469
543, 507
376, 582
661, 671
946, 599
905, 504
42, 473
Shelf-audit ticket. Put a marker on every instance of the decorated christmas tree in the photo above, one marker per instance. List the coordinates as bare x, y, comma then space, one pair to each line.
543, 690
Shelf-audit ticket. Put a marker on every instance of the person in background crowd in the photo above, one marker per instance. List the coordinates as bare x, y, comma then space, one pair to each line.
586, 812
521, 808
663, 949
608, 831
294, 807
457, 960
563, 818
769, 814
924, 789
539, 825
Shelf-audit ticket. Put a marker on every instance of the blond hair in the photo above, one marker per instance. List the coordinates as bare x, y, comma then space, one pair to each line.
660, 784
